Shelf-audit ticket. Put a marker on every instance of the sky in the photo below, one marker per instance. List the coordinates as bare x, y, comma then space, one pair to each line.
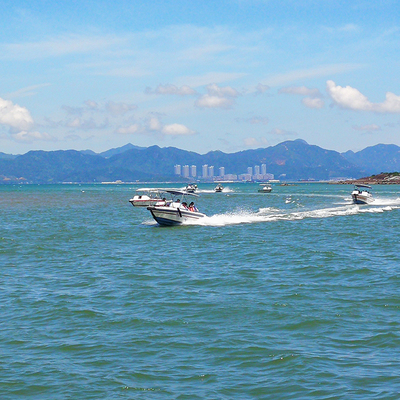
226, 75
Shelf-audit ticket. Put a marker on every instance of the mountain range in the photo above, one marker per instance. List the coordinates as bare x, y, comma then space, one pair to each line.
289, 160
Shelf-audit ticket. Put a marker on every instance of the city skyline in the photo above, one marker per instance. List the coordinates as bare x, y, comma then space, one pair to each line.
223, 75
186, 171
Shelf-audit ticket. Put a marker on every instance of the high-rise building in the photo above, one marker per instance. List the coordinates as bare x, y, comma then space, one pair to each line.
185, 171
263, 169
211, 171
250, 170
256, 170
221, 171
193, 171
205, 170
177, 169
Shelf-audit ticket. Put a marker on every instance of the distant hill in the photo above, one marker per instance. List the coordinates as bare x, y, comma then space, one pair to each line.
376, 159
290, 160
120, 150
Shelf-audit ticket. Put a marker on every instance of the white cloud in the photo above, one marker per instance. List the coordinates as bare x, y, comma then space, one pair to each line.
255, 143
184, 90
153, 126
313, 102
254, 120
227, 91
301, 90
324, 70
207, 101
91, 104
216, 77
217, 97
176, 130
57, 47
119, 108
29, 137
367, 128
129, 130
15, 116
353, 99
281, 132
260, 88
27, 91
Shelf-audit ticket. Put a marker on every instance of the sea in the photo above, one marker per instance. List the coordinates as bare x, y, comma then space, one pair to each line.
293, 294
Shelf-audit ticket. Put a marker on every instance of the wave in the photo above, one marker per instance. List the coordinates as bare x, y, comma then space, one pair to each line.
272, 214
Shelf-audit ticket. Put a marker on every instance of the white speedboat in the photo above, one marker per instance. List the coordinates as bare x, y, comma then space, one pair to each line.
177, 211
145, 197
361, 195
191, 188
219, 188
265, 188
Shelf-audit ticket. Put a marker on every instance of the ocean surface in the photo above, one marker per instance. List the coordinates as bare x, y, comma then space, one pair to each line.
293, 294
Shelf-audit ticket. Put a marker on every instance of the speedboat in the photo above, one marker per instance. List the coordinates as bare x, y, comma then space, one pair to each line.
145, 197
177, 211
191, 188
265, 188
361, 195
219, 188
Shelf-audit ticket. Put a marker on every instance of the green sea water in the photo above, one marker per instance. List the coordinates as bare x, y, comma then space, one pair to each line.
293, 294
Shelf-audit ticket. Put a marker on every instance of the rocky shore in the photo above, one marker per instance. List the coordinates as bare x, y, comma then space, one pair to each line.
392, 178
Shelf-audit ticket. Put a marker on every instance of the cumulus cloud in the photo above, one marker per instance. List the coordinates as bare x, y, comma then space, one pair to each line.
313, 102
29, 137
353, 99
129, 130
172, 89
154, 126
207, 101
217, 97
260, 88
15, 116
81, 123
176, 130
313, 99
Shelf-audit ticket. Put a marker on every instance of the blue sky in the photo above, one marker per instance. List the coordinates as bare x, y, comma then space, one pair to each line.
223, 75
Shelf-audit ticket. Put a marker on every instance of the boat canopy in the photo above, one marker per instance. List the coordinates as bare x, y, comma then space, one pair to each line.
362, 186
149, 190
179, 192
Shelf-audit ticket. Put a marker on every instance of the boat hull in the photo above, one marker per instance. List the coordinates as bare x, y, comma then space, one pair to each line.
142, 201
170, 216
359, 198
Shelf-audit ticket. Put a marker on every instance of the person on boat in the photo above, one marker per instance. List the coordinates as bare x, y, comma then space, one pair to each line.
184, 205
192, 207
176, 203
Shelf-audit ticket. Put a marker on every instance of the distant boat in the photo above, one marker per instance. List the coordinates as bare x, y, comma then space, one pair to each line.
361, 195
219, 188
265, 188
191, 188
177, 211
145, 197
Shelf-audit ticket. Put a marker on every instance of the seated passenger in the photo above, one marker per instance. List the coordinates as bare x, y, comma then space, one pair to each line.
184, 204
192, 207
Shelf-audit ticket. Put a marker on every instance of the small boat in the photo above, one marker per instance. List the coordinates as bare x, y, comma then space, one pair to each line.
361, 195
191, 188
177, 211
219, 188
145, 197
265, 188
